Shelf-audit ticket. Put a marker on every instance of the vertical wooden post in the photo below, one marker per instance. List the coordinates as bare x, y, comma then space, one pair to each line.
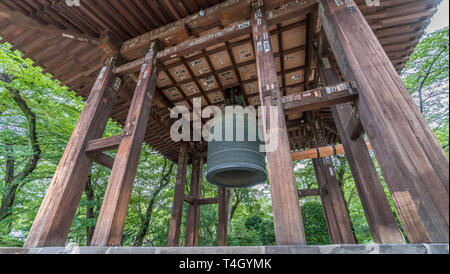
193, 215
108, 231
222, 228
381, 220
286, 209
178, 200
413, 163
55, 216
338, 220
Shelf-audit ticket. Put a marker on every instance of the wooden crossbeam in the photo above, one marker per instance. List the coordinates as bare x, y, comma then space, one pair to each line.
303, 193
18, 18
225, 13
235, 30
104, 144
103, 159
320, 98
205, 201
325, 151
208, 201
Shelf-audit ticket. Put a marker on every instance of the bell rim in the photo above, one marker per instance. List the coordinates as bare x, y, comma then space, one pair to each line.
228, 167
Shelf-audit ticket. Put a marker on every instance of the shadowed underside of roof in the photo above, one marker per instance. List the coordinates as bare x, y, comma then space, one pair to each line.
207, 73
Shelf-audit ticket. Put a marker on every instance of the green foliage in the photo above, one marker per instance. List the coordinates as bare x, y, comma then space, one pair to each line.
315, 224
429, 62
426, 76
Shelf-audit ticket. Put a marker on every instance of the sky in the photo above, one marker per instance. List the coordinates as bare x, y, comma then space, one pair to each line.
440, 19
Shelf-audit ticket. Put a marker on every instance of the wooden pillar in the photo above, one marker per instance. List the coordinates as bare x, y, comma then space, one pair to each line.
193, 215
222, 228
55, 216
381, 220
178, 200
285, 201
413, 163
108, 231
336, 213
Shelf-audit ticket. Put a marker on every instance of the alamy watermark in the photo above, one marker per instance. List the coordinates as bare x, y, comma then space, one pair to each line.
372, 3
73, 3
227, 124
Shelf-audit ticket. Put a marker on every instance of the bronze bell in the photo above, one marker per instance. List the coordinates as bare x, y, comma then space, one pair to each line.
236, 163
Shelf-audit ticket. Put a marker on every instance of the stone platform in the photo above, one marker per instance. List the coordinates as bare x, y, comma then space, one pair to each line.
300, 249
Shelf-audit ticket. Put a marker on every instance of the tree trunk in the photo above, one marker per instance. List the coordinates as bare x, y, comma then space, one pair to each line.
139, 241
145, 221
90, 213
14, 182
230, 196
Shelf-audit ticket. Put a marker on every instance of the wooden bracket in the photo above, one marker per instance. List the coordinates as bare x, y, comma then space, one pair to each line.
110, 43
205, 201
103, 144
303, 193
355, 126
102, 159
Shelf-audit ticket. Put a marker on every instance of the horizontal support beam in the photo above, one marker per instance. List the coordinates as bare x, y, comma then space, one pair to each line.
303, 193
225, 13
320, 98
206, 201
18, 18
104, 144
103, 159
189, 199
321, 152
238, 29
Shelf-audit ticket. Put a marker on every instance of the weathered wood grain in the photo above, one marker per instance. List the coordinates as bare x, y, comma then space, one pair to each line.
381, 220
222, 227
55, 216
413, 163
108, 231
335, 208
178, 199
193, 215
285, 202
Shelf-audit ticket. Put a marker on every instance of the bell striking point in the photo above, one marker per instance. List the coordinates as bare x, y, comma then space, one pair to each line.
237, 163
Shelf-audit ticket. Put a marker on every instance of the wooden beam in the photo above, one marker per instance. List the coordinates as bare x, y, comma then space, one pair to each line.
208, 201
414, 165
224, 13
108, 231
103, 159
193, 215
222, 226
189, 199
285, 204
303, 193
18, 18
355, 127
179, 197
325, 151
320, 98
336, 213
104, 144
381, 220
55, 216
